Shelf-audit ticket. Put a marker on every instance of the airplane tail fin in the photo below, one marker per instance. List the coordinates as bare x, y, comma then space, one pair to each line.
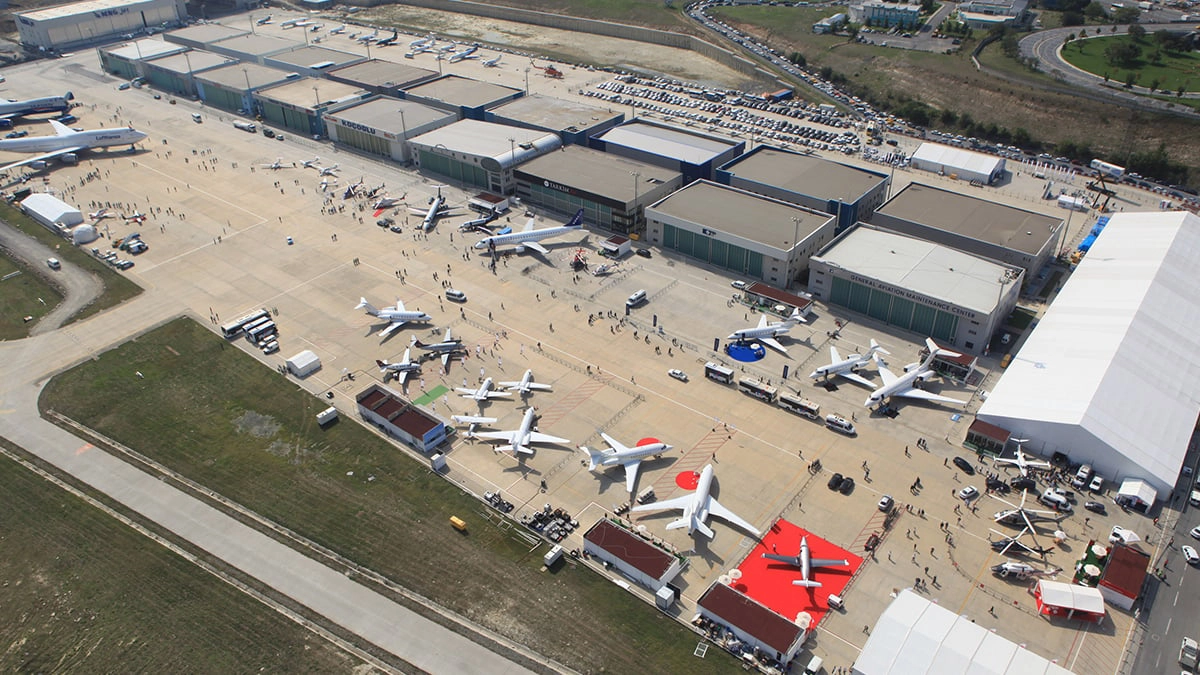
705, 530
577, 221
60, 129
594, 457
363, 304
677, 524
806, 584
382, 364
69, 96
876, 349
502, 448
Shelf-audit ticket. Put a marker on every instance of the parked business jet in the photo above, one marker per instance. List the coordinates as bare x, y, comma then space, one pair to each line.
384, 203
483, 393
492, 62
401, 369
482, 224
387, 42
448, 347
437, 208
1022, 461
766, 332
806, 563
66, 142
526, 385
905, 385
630, 458
849, 366
277, 165
315, 163
264, 21
529, 237
468, 53
395, 316
697, 507
338, 31
516, 440
423, 42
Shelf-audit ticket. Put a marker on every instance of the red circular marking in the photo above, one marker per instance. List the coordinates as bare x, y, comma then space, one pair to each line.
688, 480
649, 440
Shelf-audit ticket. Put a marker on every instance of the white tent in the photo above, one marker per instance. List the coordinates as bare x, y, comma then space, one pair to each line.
1139, 491
1071, 597
50, 211
966, 164
84, 234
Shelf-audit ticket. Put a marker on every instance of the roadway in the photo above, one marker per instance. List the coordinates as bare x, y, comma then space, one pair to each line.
78, 286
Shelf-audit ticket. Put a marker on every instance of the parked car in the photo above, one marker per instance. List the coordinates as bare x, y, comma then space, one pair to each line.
885, 503
964, 465
1097, 484
1023, 483
1195, 532
53, 263
678, 374
269, 133
835, 482
1190, 555
738, 284
968, 493
997, 485
1095, 507
847, 485
17, 134
1122, 535
644, 252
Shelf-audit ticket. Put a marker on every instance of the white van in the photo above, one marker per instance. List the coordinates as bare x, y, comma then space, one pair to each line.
815, 664
839, 423
1194, 500
636, 299
1054, 500
1082, 476
455, 295
197, 118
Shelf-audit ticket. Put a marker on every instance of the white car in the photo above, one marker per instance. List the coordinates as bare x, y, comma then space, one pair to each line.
738, 284
53, 263
678, 374
885, 503
1190, 555
968, 493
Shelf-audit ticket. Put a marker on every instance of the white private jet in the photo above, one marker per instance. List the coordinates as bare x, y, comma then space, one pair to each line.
66, 142
277, 165
423, 42
904, 385
338, 31
849, 366
327, 183
492, 62
697, 507
395, 316
384, 203
401, 369
630, 458
448, 347
1021, 460
436, 209
806, 563
468, 53
483, 393
100, 215
766, 332
517, 440
529, 237
315, 163
526, 385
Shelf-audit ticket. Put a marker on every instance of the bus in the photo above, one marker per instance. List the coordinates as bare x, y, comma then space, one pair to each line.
256, 334
718, 373
757, 389
231, 329
800, 406
256, 323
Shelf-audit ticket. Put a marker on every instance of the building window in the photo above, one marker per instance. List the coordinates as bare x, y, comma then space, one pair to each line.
969, 345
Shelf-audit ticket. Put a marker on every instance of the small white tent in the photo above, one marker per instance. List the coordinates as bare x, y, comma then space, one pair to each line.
51, 211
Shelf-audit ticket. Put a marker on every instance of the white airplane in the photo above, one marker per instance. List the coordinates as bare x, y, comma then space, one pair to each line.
447, 48
264, 21
630, 458
806, 563
606, 268
468, 53
437, 208
483, 393
848, 366
135, 217
447, 348
518, 439
1022, 461
338, 31
766, 332
315, 163
422, 42
492, 62
395, 316
100, 215
529, 237
277, 165
697, 507
66, 142
525, 385
369, 38
33, 106
327, 183
904, 385
384, 203
402, 369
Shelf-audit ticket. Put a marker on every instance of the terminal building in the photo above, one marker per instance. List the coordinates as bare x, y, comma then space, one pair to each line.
987, 229
126, 60
955, 298
480, 154
692, 154
748, 234
81, 23
311, 61
574, 121
382, 125
232, 87
382, 77
849, 192
177, 74
467, 98
300, 104
968, 165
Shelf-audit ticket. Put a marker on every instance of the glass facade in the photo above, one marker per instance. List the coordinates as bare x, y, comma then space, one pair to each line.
883, 306
713, 251
561, 202
363, 141
467, 174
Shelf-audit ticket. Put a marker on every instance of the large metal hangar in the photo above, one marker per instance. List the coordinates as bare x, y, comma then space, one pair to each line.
382, 77
611, 190
300, 104
746, 233
575, 122
480, 154
253, 48
693, 154
126, 59
849, 192
957, 162
383, 125
1001, 232
956, 298
313, 61
201, 35
79, 23
1089, 380
177, 73
232, 87
469, 99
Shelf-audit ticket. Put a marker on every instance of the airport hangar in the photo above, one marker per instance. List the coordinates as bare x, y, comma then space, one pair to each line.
467, 98
201, 35
176, 74
1111, 374
68, 26
612, 191
382, 77
383, 125
252, 48
849, 192
126, 60
574, 121
956, 162
955, 298
692, 154
233, 87
1000, 232
746, 233
300, 104
312, 61
480, 154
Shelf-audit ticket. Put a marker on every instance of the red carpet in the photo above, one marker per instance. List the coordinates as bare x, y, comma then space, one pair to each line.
770, 581
649, 440
688, 480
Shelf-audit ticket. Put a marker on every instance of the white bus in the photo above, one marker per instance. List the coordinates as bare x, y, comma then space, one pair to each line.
800, 406
757, 389
256, 334
718, 373
231, 329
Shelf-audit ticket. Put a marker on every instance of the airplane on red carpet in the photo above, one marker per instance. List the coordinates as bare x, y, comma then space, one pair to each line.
806, 563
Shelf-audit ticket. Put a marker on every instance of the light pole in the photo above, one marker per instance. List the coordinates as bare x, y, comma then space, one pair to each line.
633, 220
526, 80
317, 95
787, 282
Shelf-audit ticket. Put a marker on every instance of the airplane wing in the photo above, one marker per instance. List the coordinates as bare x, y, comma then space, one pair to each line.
60, 129
465, 391
497, 394
536, 247
473, 419
676, 503
913, 392
773, 344
789, 559
828, 562
612, 442
445, 361
886, 375
391, 328
715, 508
631, 472
834, 357
539, 386
495, 435
41, 158
402, 376
447, 338
855, 377
536, 437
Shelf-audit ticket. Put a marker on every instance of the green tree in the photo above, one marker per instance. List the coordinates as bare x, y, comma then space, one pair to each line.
1126, 15
1154, 84
1122, 54
1094, 11
948, 117
1072, 19
1137, 32
798, 59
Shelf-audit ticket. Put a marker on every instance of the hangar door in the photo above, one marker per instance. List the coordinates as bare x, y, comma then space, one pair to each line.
897, 311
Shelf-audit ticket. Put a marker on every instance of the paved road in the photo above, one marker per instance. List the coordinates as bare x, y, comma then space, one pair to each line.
78, 286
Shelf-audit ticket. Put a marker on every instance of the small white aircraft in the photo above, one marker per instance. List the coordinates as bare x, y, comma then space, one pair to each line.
697, 507
277, 165
526, 385
395, 316
100, 215
766, 332
448, 347
314, 163
606, 268
264, 21
66, 143
369, 38
384, 203
327, 183
492, 62
806, 563
529, 237
905, 385
468, 53
338, 31
135, 217
849, 366
517, 440
437, 208
422, 42
630, 458
483, 393
1021, 460
401, 369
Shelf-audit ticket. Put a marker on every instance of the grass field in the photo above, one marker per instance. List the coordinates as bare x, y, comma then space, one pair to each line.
220, 418
117, 288
1174, 70
84, 593
22, 296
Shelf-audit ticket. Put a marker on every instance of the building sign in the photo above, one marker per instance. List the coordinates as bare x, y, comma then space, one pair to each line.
558, 186
707, 232
116, 11
909, 295
359, 127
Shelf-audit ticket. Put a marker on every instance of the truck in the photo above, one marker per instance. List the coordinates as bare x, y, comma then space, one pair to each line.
246, 126
1109, 170
1188, 653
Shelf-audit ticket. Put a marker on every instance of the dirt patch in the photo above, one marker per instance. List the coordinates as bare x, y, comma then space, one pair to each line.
259, 426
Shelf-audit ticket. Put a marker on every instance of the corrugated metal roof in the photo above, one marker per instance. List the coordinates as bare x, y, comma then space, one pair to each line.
668, 142
957, 158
